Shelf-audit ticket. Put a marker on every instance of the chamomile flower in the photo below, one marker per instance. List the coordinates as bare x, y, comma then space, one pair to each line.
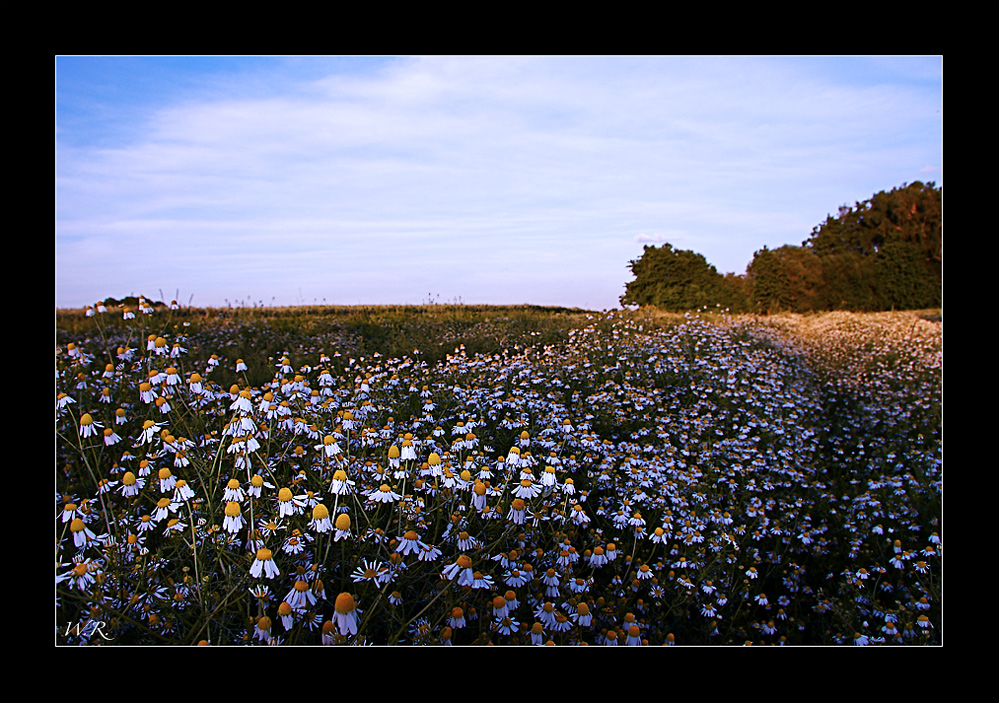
408, 451
527, 489
342, 525
146, 392
383, 494
287, 504
321, 519
182, 491
149, 430
81, 576
195, 384
634, 638
234, 520
582, 616
460, 569
131, 485
329, 447
82, 535
409, 543
167, 480
88, 427
286, 613
262, 630
257, 484
174, 525
263, 565
518, 511
295, 543
578, 515
233, 492
300, 596
545, 613
456, 619
340, 485
506, 626
346, 614
598, 557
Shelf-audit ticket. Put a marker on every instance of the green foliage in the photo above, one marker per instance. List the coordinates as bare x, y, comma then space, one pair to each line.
903, 282
850, 282
771, 288
885, 253
677, 280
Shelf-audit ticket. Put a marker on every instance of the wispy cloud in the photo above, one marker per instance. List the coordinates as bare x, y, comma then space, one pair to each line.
493, 179
656, 238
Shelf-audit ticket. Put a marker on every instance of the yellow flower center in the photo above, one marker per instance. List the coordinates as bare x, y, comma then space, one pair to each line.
344, 603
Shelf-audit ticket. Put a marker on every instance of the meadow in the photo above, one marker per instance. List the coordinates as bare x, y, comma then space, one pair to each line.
518, 475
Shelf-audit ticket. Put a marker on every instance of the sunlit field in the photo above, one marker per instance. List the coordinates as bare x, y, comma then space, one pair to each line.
458, 475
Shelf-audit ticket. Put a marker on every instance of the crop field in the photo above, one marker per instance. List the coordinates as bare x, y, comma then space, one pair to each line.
465, 475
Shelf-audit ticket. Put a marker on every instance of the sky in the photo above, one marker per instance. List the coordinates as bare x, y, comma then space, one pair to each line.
300, 180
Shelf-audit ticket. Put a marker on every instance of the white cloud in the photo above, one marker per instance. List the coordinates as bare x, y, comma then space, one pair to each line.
521, 164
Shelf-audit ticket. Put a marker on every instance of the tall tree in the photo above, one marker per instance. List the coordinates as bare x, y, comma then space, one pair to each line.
678, 280
770, 284
884, 252
786, 278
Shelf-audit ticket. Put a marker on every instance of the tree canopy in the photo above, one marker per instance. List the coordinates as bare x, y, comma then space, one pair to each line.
677, 280
884, 253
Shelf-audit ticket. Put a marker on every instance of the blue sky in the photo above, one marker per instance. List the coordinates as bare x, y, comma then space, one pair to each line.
484, 179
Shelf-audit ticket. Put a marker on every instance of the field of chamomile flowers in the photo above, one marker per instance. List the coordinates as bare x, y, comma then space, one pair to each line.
453, 475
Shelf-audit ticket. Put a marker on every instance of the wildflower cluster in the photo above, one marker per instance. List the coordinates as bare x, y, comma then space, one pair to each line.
718, 481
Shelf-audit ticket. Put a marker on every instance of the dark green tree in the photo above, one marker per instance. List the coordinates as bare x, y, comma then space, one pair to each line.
850, 282
903, 282
786, 278
678, 280
886, 252
770, 285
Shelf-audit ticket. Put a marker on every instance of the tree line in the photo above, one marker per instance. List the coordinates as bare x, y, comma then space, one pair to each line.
885, 253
